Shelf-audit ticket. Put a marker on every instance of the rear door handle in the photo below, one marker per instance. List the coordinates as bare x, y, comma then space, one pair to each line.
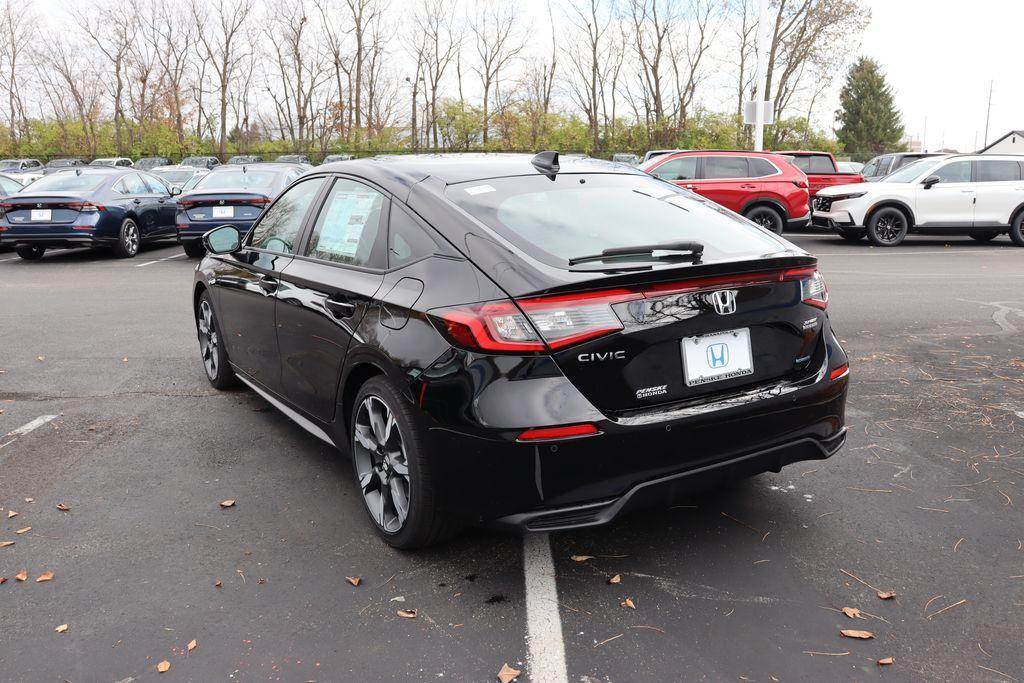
267, 284
340, 307
136, 201
749, 187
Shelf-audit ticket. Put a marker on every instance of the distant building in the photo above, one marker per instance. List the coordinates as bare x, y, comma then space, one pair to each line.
1011, 143
912, 145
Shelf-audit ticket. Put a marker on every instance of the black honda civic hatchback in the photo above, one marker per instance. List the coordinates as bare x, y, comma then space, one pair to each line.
522, 341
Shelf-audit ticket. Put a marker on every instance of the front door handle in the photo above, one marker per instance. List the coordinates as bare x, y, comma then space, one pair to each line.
339, 307
136, 201
749, 187
267, 284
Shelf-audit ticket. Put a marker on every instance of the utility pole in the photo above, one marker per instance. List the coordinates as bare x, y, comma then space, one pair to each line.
761, 74
988, 112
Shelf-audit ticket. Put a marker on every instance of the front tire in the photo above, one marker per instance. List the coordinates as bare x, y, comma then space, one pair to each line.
393, 468
767, 217
194, 248
211, 346
888, 227
128, 240
31, 253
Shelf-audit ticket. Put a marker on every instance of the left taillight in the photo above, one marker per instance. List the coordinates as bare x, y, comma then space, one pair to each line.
536, 324
813, 290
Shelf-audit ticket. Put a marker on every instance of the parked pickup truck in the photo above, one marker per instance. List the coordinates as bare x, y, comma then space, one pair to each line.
822, 170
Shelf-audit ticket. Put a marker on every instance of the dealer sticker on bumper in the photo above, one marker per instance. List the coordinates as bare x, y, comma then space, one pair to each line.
716, 357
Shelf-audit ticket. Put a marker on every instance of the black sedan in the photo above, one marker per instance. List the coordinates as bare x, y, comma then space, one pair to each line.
523, 342
229, 195
88, 207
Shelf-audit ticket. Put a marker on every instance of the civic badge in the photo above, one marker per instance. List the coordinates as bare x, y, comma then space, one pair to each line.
723, 301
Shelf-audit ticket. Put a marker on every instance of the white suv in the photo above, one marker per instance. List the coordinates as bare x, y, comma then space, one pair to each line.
962, 194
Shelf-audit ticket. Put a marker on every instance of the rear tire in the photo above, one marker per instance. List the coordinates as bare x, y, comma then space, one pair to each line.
393, 468
31, 253
984, 236
1017, 230
128, 240
852, 236
767, 217
211, 346
194, 248
888, 227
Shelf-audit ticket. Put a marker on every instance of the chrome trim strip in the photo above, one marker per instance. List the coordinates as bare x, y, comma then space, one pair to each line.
298, 419
744, 398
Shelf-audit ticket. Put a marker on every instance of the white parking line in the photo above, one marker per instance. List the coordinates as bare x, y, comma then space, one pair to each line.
24, 429
166, 258
546, 649
902, 252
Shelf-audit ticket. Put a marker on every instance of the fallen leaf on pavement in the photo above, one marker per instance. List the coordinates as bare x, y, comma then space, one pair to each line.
886, 595
30, 500
62, 628
354, 580
628, 602
581, 558
3, 580
163, 666
508, 674
22, 575
852, 612
227, 503
40, 358
885, 661
4, 544
23, 531
11, 513
615, 579
192, 645
218, 584
853, 633
406, 613
125, 359
45, 576
62, 507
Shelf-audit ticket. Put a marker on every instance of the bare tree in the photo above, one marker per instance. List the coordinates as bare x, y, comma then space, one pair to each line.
17, 26
652, 23
173, 39
586, 51
433, 21
220, 26
497, 43
688, 50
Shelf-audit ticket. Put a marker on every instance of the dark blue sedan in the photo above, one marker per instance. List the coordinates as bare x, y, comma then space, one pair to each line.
230, 195
88, 207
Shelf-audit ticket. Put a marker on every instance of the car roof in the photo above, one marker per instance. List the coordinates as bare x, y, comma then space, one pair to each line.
395, 172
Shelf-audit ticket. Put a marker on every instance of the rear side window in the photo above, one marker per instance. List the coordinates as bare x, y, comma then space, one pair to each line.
759, 168
407, 241
725, 167
997, 170
682, 168
347, 228
819, 164
583, 214
281, 225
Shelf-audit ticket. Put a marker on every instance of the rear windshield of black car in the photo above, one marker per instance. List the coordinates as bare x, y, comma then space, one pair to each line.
236, 180
69, 182
582, 214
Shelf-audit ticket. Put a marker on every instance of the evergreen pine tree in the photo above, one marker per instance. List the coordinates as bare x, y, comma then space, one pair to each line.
869, 122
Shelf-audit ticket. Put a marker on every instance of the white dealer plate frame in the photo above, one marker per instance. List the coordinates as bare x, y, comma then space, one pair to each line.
41, 215
223, 212
697, 359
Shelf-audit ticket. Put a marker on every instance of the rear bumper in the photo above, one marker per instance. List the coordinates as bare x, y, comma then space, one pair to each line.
195, 231
664, 490
799, 222
56, 240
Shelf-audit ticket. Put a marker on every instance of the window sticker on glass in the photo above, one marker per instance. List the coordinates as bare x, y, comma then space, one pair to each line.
344, 223
479, 189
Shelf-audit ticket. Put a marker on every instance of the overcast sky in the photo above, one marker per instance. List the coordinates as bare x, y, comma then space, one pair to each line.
940, 56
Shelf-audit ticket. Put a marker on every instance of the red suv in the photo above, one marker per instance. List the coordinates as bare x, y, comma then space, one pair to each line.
766, 188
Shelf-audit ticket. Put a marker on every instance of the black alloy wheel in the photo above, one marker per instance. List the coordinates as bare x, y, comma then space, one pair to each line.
887, 227
211, 349
128, 241
767, 217
1017, 230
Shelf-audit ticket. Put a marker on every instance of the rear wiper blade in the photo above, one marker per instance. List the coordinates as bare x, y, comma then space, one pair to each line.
693, 251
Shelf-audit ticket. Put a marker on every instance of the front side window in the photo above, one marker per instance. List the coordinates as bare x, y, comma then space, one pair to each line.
725, 167
956, 172
131, 184
681, 168
281, 225
155, 185
348, 225
997, 171
870, 170
884, 165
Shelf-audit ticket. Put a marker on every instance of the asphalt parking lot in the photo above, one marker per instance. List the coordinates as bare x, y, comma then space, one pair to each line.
746, 583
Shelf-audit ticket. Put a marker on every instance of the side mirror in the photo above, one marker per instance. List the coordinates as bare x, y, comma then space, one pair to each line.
175, 191
929, 181
223, 240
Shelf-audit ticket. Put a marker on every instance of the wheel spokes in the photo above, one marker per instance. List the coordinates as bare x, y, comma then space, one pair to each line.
382, 467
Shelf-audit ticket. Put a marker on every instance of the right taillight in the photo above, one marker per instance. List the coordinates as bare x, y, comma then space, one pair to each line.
813, 290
